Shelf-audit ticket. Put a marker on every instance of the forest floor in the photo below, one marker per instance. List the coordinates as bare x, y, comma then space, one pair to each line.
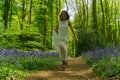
77, 69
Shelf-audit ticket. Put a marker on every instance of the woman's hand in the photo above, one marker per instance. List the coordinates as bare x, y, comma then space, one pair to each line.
56, 29
76, 38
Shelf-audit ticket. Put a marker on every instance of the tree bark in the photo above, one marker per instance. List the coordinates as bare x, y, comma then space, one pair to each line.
11, 6
30, 13
103, 23
95, 22
6, 13
23, 14
45, 26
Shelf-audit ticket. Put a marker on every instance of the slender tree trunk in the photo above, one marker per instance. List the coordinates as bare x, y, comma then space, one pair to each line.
6, 13
84, 15
79, 24
51, 14
103, 24
23, 14
67, 5
87, 13
78, 11
87, 23
30, 13
10, 13
118, 20
95, 22
59, 5
45, 26
57, 11
115, 31
108, 25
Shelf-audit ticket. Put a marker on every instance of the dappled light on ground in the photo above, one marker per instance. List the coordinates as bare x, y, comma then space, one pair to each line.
77, 69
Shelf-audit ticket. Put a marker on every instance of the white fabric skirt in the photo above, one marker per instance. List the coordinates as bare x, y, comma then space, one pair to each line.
59, 44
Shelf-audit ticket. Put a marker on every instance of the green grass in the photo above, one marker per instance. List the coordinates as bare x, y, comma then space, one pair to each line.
19, 64
105, 62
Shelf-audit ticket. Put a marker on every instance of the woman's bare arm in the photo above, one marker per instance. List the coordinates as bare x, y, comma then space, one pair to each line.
70, 25
57, 27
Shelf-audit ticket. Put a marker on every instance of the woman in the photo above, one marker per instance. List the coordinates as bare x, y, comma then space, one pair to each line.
60, 36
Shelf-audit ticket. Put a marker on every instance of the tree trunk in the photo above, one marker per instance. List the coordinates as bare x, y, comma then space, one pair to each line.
95, 22
30, 13
83, 15
10, 13
57, 11
115, 30
78, 11
103, 24
23, 14
59, 5
6, 13
67, 5
45, 27
51, 22
107, 24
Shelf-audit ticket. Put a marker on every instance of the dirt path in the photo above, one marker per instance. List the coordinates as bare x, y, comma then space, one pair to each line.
77, 69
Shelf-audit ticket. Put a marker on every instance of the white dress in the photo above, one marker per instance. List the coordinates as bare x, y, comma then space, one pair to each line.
60, 40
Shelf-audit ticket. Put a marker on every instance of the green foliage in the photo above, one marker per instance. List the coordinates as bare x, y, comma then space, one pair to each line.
1, 33
97, 31
107, 68
10, 40
30, 39
8, 71
26, 39
17, 64
105, 62
38, 63
33, 45
29, 23
85, 40
12, 70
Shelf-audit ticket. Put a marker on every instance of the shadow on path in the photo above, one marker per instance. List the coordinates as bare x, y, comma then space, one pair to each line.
77, 69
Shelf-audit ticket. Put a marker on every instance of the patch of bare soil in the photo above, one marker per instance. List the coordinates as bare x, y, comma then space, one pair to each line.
77, 69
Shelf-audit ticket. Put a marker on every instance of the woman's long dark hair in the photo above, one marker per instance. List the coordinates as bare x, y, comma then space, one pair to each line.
66, 14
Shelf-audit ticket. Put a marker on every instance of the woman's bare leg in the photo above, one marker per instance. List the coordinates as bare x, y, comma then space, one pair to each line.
63, 51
